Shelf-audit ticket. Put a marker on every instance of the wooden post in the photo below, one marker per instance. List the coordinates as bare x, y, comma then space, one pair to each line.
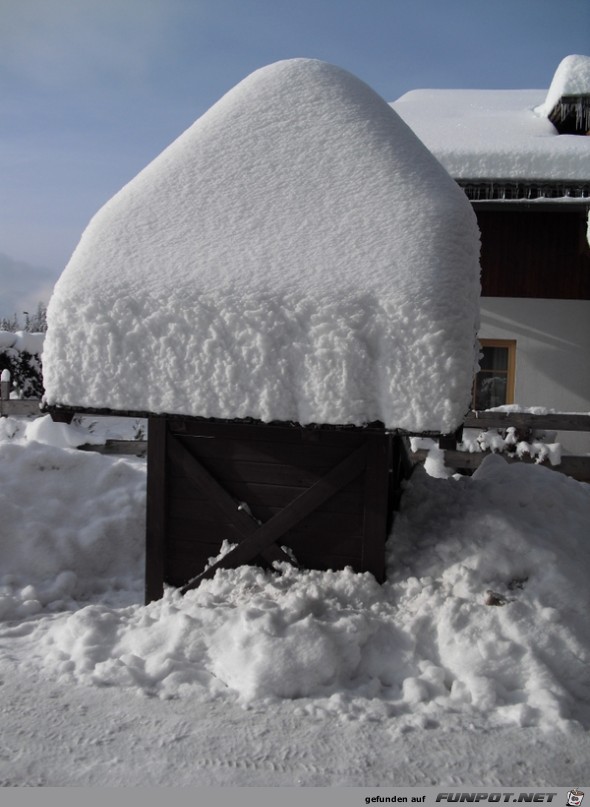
156, 509
376, 497
61, 417
5, 385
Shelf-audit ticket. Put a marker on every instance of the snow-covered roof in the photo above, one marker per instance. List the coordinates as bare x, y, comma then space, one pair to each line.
572, 78
297, 254
501, 134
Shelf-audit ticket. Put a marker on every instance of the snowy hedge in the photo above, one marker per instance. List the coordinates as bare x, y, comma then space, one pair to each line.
20, 354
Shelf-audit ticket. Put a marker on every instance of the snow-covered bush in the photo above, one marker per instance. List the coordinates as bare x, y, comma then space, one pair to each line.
20, 354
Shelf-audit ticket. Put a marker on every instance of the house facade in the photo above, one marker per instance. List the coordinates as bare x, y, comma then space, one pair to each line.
523, 159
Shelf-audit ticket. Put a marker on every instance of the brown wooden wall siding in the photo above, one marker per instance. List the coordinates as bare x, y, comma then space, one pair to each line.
534, 253
267, 467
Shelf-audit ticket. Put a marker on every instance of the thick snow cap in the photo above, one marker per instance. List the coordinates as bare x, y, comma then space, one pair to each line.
297, 254
572, 78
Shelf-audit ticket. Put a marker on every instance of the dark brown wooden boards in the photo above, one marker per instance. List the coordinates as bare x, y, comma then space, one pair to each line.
278, 492
540, 252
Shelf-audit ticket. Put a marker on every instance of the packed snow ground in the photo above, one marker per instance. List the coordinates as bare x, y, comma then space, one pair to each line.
297, 677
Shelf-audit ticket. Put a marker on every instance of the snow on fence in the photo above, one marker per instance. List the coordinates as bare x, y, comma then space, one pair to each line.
137, 448
524, 425
10, 406
521, 445
456, 455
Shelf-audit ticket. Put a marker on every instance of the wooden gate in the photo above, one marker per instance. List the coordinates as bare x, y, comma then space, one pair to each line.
317, 497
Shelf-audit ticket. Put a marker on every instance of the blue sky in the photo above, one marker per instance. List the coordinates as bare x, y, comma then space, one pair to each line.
92, 90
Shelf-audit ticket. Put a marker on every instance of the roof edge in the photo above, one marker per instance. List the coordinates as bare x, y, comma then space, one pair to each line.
514, 189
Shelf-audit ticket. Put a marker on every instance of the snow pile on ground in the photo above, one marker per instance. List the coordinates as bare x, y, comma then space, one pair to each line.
500, 134
83, 430
62, 435
483, 615
72, 526
297, 254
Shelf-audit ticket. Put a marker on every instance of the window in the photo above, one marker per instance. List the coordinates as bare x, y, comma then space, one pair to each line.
494, 384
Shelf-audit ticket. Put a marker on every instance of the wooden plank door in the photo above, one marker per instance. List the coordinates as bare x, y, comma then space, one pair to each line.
274, 491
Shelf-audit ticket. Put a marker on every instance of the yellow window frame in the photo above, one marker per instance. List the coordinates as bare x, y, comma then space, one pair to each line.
510, 346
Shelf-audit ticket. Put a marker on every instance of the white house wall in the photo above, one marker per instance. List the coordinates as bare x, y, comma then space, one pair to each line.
552, 353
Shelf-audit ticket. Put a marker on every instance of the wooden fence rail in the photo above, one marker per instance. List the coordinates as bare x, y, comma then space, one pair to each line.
136, 448
524, 420
10, 406
578, 467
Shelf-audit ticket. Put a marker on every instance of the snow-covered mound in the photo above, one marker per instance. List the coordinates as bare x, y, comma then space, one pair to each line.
483, 615
297, 254
72, 523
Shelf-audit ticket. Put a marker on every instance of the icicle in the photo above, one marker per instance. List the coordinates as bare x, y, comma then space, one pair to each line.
577, 107
505, 191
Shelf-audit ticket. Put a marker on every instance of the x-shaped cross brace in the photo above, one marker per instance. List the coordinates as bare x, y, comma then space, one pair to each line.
259, 539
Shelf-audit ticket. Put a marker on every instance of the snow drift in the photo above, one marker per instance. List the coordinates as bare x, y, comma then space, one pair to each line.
483, 616
297, 254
